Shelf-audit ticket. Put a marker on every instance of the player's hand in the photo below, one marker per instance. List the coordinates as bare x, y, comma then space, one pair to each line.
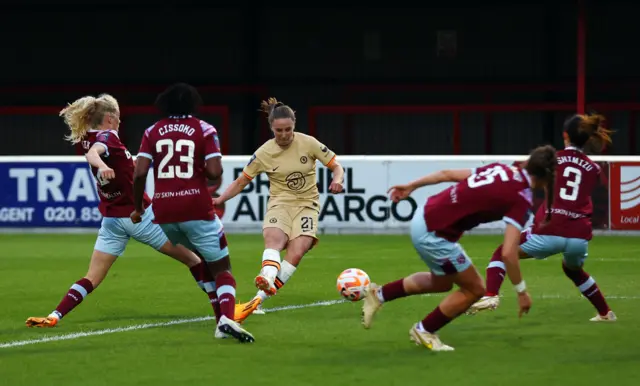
336, 187
216, 201
136, 216
524, 302
400, 192
107, 173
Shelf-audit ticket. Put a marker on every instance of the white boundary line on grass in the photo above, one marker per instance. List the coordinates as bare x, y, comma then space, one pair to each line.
77, 335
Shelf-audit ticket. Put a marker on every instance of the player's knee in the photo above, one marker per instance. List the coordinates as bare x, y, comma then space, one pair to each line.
179, 253
274, 238
298, 247
220, 266
571, 269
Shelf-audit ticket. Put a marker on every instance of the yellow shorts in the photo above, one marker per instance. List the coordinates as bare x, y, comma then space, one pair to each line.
294, 221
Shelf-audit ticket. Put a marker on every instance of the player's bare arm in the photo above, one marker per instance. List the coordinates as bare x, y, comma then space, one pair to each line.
512, 264
338, 176
139, 182
213, 167
94, 157
232, 190
400, 192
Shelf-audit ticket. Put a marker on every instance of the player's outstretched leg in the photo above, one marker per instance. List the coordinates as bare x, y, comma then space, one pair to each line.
154, 236
296, 249
98, 268
265, 281
275, 240
203, 278
254, 306
496, 272
590, 290
226, 291
418, 283
471, 289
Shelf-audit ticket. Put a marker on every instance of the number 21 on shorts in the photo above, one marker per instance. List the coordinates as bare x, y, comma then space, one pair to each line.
306, 223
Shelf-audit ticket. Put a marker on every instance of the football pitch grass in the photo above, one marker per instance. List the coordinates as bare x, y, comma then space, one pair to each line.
148, 323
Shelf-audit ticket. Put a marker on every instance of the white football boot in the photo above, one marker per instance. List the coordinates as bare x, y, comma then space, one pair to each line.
427, 339
609, 317
485, 303
233, 330
371, 304
221, 335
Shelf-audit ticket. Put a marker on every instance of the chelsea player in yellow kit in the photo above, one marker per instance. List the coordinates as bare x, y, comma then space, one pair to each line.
291, 220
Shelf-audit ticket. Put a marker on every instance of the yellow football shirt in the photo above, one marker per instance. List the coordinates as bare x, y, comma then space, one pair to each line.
291, 171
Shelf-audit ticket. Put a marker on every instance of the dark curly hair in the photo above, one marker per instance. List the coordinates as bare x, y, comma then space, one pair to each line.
179, 99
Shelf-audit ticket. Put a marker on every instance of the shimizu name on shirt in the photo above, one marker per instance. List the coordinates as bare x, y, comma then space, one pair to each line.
577, 161
180, 193
180, 128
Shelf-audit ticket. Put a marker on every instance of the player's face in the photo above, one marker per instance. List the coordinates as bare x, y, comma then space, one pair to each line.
111, 121
283, 131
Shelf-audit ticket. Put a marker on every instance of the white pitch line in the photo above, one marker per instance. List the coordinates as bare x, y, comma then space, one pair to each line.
77, 335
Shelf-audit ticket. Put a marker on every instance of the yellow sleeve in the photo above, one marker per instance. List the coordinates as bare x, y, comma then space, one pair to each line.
321, 152
254, 167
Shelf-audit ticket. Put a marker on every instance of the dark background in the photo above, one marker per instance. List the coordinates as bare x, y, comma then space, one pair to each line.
504, 88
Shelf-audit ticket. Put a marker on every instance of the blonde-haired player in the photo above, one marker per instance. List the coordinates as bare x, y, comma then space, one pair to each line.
291, 221
93, 128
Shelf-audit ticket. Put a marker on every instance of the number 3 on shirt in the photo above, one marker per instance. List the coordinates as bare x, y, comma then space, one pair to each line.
180, 146
573, 184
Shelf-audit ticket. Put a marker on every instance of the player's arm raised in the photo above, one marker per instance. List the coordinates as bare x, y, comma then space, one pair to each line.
400, 192
94, 157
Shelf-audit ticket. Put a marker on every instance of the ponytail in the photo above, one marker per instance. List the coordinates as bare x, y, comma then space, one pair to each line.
276, 110
87, 113
593, 125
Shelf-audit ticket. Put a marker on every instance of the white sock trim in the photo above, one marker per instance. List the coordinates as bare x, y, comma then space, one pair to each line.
587, 284
80, 289
263, 295
286, 271
271, 254
226, 289
55, 314
209, 286
497, 264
